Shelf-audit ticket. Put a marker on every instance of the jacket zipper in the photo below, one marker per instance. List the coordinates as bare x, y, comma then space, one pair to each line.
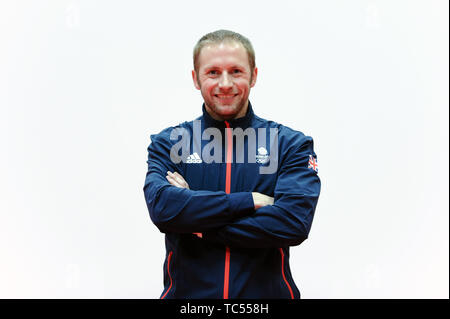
169, 258
226, 280
282, 272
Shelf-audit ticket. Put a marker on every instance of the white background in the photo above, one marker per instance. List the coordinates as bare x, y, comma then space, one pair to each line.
84, 83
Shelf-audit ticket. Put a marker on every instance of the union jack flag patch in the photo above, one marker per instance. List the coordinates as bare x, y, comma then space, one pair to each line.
312, 163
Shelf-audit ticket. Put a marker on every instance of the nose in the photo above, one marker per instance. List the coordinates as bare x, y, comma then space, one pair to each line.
225, 81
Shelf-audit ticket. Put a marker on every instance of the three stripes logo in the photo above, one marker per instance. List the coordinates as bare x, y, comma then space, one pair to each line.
193, 158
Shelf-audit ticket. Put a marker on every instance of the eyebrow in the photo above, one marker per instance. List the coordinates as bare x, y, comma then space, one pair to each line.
235, 66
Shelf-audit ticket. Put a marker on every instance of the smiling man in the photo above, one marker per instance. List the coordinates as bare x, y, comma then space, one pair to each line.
224, 74
229, 224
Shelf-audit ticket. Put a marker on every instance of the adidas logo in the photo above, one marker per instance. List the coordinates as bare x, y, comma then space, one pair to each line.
193, 158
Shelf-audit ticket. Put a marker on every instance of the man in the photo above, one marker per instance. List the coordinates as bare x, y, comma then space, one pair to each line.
229, 212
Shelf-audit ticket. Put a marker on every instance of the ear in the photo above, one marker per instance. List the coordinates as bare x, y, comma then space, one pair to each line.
194, 78
254, 76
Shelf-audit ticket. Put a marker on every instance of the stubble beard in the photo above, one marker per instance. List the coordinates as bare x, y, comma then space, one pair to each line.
214, 108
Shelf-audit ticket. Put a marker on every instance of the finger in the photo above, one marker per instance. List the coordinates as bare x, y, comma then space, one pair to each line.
184, 181
171, 175
169, 179
175, 176
178, 175
177, 180
172, 181
180, 179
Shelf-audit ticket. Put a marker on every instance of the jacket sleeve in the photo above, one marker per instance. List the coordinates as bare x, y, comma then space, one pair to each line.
288, 221
181, 210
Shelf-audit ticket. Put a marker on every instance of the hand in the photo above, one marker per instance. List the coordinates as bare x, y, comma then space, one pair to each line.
177, 180
261, 200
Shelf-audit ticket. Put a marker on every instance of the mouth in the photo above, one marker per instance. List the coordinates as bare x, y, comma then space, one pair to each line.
225, 96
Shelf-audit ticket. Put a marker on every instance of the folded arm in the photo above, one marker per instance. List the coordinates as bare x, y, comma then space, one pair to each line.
288, 219
181, 210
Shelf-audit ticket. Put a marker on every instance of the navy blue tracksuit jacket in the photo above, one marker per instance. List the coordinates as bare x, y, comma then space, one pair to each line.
243, 252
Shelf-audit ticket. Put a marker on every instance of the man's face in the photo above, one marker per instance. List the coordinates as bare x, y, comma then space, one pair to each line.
224, 78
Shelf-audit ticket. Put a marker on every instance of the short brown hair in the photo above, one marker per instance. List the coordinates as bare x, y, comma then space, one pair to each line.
220, 36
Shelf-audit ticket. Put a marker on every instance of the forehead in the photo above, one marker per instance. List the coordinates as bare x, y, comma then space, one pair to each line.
223, 55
